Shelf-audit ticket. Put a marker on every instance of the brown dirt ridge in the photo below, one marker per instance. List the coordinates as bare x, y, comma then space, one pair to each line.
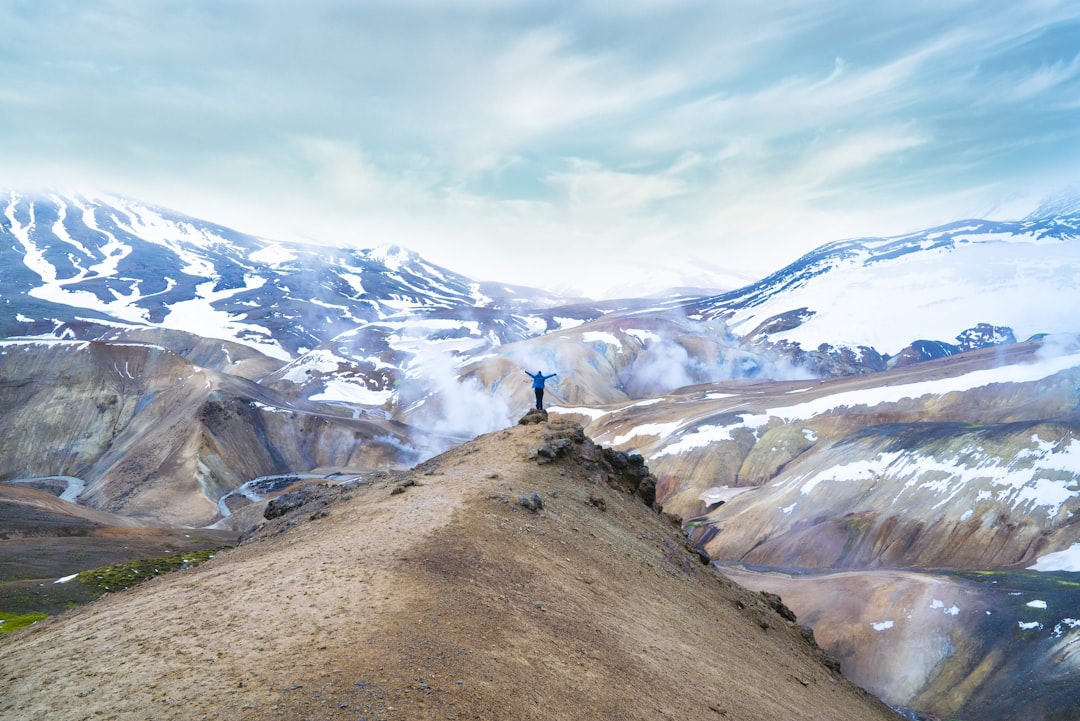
519, 576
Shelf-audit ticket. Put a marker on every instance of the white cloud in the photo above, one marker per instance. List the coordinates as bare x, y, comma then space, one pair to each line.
740, 132
542, 84
1040, 80
588, 185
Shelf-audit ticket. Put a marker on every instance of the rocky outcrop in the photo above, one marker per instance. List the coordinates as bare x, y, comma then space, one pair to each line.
985, 335
534, 416
630, 474
980, 336
922, 350
566, 441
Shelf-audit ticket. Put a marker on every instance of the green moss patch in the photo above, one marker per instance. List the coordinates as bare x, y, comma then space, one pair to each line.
119, 576
14, 621
1024, 580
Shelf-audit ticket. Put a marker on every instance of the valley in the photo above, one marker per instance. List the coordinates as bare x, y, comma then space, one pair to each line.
898, 465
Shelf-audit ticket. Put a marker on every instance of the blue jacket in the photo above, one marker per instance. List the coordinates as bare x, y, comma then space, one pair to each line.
539, 378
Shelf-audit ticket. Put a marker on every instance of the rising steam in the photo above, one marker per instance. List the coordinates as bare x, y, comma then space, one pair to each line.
436, 398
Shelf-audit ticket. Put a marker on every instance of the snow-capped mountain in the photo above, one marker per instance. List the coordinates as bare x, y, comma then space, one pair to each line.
887, 293
344, 325
112, 260
163, 364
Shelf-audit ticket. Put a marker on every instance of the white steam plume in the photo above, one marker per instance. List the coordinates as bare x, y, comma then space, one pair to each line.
1057, 345
438, 400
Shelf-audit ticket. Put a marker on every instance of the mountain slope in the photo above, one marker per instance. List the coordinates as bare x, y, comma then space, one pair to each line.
819, 490
449, 599
152, 436
114, 260
886, 293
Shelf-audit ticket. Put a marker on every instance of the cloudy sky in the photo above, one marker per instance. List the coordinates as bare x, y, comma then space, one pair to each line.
584, 144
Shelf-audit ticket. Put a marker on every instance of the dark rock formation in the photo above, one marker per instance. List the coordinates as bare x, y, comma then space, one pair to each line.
533, 502
535, 415
282, 505
922, 350
985, 335
629, 473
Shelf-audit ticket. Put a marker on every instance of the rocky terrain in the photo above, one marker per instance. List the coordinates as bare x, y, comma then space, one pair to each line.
849, 496
883, 432
147, 434
513, 577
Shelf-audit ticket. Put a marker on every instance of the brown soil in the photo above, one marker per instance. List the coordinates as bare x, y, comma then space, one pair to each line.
43, 538
444, 599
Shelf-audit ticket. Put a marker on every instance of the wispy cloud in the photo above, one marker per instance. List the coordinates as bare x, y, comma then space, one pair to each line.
1040, 81
541, 84
470, 128
589, 185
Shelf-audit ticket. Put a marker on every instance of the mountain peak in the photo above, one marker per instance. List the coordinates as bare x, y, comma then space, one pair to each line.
390, 255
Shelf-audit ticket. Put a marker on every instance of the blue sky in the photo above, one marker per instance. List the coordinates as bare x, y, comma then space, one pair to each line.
588, 144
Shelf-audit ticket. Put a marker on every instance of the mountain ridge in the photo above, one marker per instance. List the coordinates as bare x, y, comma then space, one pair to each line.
885, 293
437, 593
117, 260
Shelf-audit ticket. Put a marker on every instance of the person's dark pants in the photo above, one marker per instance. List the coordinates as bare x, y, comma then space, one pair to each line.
539, 398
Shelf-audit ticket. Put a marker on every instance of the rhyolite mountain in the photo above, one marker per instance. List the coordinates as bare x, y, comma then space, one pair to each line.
143, 432
839, 432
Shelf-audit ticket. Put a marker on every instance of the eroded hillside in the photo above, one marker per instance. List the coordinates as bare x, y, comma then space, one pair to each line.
922, 520
513, 577
153, 436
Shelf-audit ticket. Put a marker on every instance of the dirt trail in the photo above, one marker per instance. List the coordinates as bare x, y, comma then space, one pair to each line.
446, 599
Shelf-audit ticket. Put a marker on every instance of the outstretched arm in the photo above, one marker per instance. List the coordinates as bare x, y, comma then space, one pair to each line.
551, 376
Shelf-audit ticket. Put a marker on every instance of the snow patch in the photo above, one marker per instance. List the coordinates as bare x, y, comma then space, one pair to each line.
592, 413
708, 434
1067, 560
595, 336
645, 336
339, 389
660, 430
567, 323
721, 494
273, 254
953, 610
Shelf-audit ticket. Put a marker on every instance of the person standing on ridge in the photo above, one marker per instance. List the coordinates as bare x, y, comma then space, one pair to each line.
538, 379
